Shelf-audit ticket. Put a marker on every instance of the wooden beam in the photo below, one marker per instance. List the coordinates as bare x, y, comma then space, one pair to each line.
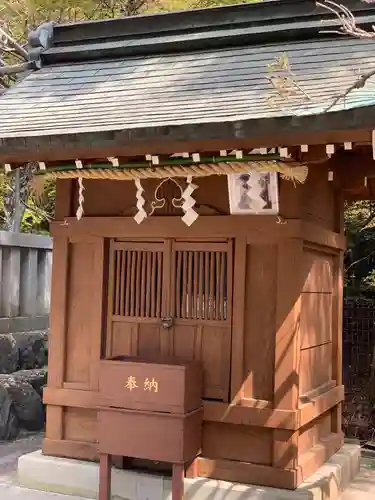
70, 449
240, 414
319, 405
247, 473
126, 143
256, 230
244, 415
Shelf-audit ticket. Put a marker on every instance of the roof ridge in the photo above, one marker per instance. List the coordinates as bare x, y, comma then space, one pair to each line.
243, 24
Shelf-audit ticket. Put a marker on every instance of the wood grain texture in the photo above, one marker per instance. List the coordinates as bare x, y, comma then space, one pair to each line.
70, 449
247, 473
316, 319
237, 442
315, 367
287, 324
58, 316
318, 271
237, 348
259, 326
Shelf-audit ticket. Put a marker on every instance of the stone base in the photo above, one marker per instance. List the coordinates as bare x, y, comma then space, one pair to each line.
75, 477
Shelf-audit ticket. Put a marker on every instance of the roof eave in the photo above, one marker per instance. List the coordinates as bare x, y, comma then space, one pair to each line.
353, 125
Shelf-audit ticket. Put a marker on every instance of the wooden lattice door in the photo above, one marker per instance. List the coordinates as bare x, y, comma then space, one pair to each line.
173, 298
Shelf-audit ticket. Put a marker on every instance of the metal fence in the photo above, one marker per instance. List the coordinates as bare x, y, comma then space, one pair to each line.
359, 368
25, 271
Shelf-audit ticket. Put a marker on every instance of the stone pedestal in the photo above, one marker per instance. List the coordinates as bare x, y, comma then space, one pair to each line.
75, 477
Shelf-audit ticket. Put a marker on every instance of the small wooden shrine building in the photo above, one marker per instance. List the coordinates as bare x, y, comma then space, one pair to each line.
202, 161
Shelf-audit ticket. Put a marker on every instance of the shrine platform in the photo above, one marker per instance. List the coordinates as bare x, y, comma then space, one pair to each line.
81, 479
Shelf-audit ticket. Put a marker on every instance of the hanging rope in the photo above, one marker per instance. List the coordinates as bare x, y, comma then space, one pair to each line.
293, 173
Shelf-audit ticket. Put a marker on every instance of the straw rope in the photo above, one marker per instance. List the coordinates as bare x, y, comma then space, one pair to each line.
296, 173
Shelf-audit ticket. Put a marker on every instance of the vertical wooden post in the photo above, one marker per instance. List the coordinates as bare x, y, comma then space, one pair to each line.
337, 312
287, 346
105, 477
57, 340
238, 315
178, 475
288, 312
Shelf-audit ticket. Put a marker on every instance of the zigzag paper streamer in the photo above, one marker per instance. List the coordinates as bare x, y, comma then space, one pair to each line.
190, 214
141, 215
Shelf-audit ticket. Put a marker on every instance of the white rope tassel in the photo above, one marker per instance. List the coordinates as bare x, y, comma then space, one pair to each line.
81, 199
190, 214
141, 214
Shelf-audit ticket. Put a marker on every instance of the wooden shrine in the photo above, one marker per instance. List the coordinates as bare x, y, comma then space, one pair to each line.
199, 217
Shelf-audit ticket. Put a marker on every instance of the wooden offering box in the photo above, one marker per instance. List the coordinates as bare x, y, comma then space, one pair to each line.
149, 410
162, 385
162, 437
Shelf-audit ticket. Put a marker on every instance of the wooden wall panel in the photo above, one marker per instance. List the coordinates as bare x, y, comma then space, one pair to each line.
316, 319
260, 309
319, 198
215, 351
315, 367
118, 198
80, 425
318, 270
122, 339
237, 442
315, 431
81, 318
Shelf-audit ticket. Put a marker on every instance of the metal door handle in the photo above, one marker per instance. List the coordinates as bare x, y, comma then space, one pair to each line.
167, 322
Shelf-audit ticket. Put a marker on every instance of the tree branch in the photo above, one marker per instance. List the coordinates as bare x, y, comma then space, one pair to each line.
348, 27
7, 40
17, 68
360, 83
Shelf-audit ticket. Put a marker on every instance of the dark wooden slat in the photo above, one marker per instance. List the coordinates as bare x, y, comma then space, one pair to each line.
159, 284
154, 257
201, 280
148, 284
142, 284
132, 283
212, 285
128, 283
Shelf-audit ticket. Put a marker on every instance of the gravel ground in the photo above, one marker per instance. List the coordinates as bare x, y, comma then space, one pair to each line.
11, 451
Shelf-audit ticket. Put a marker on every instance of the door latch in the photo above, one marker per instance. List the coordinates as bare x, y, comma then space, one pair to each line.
167, 322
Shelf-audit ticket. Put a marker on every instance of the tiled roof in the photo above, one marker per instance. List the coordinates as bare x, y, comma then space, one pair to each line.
195, 87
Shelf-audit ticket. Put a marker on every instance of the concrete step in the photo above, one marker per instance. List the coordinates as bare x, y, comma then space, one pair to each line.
11, 491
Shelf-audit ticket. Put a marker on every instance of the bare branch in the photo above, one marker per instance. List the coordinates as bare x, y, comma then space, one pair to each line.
348, 27
7, 41
347, 20
4, 84
14, 70
360, 83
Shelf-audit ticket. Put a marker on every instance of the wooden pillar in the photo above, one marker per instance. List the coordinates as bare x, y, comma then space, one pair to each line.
287, 347
238, 314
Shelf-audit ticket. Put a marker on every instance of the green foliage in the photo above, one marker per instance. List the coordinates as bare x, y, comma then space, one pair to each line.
360, 255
